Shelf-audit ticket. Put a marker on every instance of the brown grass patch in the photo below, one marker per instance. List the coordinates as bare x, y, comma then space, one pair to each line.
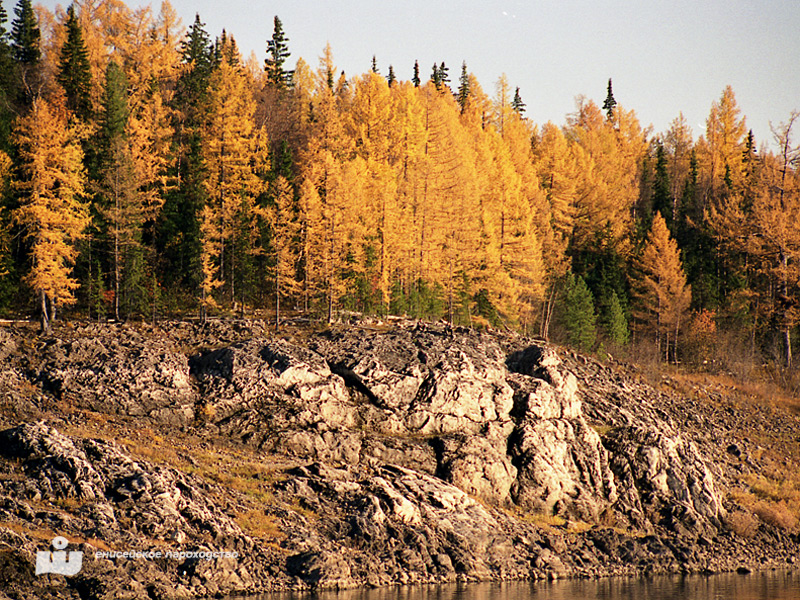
259, 524
742, 523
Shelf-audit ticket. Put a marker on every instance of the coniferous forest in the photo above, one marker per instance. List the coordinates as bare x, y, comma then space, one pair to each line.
147, 170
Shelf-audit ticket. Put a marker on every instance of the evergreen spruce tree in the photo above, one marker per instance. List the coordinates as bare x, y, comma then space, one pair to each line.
278, 52
3, 21
444, 74
25, 51
463, 88
415, 79
390, 78
581, 321
610, 102
25, 36
517, 104
662, 196
375, 65
7, 84
178, 235
74, 71
435, 77
616, 324
5, 49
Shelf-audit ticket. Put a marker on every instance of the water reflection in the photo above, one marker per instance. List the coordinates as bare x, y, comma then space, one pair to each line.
764, 586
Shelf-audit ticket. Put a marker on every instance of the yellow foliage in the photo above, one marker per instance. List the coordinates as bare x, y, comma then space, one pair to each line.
663, 294
51, 186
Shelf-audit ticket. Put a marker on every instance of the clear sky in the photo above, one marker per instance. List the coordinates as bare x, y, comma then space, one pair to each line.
665, 56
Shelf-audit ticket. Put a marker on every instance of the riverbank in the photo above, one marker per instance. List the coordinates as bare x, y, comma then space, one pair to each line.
371, 455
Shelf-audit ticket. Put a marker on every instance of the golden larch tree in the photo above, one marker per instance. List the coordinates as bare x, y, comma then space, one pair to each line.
284, 238
231, 145
51, 184
661, 290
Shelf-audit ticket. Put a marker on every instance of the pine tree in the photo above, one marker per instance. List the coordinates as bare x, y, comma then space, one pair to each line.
278, 51
391, 79
74, 70
580, 318
415, 78
517, 104
375, 65
610, 103
51, 184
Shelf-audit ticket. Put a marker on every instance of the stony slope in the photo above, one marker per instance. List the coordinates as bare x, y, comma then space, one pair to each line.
365, 455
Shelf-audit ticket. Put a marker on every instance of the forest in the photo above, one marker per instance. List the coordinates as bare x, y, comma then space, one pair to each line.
150, 171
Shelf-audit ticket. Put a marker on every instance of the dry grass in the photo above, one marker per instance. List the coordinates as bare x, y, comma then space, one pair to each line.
777, 514
776, 501
27, 530
258, 523
742, 523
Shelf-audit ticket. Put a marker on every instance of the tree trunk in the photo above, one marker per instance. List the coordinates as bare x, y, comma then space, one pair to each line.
277, 294
116, 267
787, 344
45, 322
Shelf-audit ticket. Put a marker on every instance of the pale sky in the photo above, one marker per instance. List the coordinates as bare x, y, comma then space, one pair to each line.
665, 56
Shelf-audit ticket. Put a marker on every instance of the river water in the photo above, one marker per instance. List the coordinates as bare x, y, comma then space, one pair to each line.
757, 586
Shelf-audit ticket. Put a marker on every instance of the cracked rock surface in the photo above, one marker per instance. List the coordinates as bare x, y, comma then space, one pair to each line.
357, 456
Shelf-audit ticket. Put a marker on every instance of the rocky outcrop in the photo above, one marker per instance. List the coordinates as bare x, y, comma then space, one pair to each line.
419, 453
563, 466
134, 375
127, 505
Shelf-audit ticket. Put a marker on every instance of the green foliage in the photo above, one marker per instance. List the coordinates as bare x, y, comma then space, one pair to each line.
278, 52
609, 103
197, 53
419, 300
615, 322
74, 71
96, 293
415, 78
440, 76
580, 318
517, 104
662, 195
25, 35
463, 87
485, 308
115, 106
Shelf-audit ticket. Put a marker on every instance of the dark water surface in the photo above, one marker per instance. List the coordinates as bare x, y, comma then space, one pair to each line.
757, 586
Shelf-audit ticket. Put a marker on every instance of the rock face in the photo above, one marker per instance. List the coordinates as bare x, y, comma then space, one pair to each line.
563, 466
417, 454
